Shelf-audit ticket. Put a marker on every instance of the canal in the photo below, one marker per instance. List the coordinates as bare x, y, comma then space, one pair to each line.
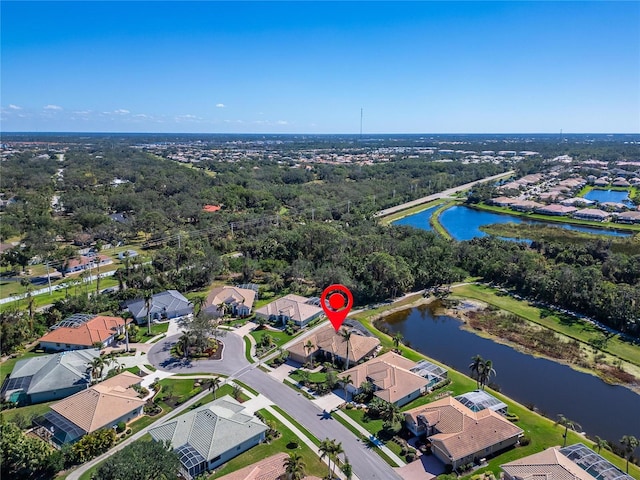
553, 388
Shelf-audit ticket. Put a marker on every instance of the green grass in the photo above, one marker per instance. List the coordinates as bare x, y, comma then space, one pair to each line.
435, 221
151, 368
315, 377
313, 464
304, 431
247, 350
6, 367
279, 338
135, 370
156, 329
225, 389
409, 211
561, 323
246, 387
28, 412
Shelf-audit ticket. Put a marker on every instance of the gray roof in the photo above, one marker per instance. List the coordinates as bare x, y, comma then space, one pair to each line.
52, 372
210, 430
165, 302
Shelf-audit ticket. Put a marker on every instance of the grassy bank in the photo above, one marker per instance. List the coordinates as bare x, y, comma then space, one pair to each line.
567, 325
552, 234
542, 432
435, 221
409, 211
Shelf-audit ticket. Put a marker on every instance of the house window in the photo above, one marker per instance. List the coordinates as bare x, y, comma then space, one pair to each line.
57, 344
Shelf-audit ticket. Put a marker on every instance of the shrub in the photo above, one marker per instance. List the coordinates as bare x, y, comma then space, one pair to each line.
410, 457
121, 427
349, 406
128, 432
524, 441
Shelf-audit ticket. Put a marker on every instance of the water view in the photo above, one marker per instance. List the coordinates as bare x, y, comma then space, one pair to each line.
552, 387
618, 196
463, 223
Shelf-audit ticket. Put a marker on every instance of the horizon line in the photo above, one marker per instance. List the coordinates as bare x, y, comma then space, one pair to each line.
356, 134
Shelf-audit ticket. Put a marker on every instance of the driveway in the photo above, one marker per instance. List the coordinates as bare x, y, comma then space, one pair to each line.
366, 463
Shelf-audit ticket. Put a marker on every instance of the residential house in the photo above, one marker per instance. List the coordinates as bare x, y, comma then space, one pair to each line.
81, 331
48, 377
525, 206
555, 209
326, 343
503, 201
576, 202
591, 214
236, 301
629, 217
613, 206
299, 310
85, 262
101, 406
432, 372
211, 435
575, 462
458, 435
165, 305
620, 182
391, 376
601, 182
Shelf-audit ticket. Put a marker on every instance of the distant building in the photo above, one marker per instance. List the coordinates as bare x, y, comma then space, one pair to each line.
127, 254
591, 214
620, 182
85, 262
629, 217
555, 209
526, 206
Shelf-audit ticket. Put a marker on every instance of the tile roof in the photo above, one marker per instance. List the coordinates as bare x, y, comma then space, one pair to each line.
167, 302
211, 429
291, 305
390, 374
101, 404
462, 432
230, 296
271, 468
328, 340
98, 329
549, 464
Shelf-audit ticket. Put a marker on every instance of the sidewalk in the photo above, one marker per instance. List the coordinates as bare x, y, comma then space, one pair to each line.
367, 434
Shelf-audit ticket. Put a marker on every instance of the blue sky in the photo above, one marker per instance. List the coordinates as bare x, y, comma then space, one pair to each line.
306, 67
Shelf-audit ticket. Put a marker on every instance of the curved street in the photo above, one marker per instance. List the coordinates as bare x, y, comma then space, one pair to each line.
367, 464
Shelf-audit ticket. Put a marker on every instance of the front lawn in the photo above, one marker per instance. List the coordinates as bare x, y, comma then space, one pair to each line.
315, 377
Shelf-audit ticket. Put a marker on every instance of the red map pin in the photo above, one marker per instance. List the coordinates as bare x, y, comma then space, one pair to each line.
338, 305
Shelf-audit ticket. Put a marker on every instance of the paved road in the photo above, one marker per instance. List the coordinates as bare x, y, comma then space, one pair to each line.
367, 464
443, 194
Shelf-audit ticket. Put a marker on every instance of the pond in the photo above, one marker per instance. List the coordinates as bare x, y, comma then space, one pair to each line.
618, 196
601, 409
463, 223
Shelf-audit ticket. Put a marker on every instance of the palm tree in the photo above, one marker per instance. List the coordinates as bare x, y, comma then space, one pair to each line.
367, 389
336, 449
236, 392
213, 384
629, 443
26, 283
184, 341
148, 296
567, 424
601, 443
346, 381
198, 302
347, 468
476, 368
127, 315
96, 366
308, 346
346, 337
397, 340
326, 448
486, 372
294, 466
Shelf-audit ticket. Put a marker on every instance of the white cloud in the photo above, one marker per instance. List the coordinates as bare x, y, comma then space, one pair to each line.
14, 107
121, 111
220, 105
141, 115
282, 122
52, 107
